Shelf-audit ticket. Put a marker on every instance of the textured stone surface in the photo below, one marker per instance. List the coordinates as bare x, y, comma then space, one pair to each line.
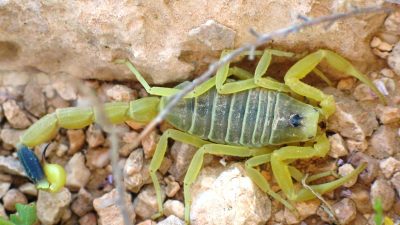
236, 199
51, 206
77, 173
82, 38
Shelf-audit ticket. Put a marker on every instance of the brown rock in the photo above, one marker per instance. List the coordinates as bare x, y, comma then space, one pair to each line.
174, 207
94, 136
360, 196
12, 197
394, 59
370, 173
11, 136
344, 170
97, 158
338, 147
345, 211
51, 206
389, 166
4, 186
76, 140
346, 83
172, 186
388, 114
396, 182
15, 115
28, 189
356, 146
120, 93
88, 219
108, 210
66, 89
384, 142
34, 100
77, 173
181, 154
83, 203
392, 22
149, 144
381, 189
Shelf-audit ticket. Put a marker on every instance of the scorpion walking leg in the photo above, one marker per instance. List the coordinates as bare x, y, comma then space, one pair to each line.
284, 177
197, 162
159, 156
308, 64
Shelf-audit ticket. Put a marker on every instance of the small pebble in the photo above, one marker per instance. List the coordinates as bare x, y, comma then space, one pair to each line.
171, 220
363, 93
4, 187
360, 195
385, 47
172, 186
383, 142
120, 93
66, 90
345, 170
389, 166
12, 197
376, 41
338, 148
396, 182
381, 189
345, 211
94, 136
83, 203
28, 189
97, 158
11, 136
174, 207
78, 174
145, 203
51, 206
108, 210
388, 114
88, 219
181, 157
356, 146
149, 144
15, 115
346, 84
11, 165
305, 209
76, 139
387, 72
136, 171
371, 172
392, 22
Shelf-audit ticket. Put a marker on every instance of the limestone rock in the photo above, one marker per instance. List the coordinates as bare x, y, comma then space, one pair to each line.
182, 154
171, 220
83, 203
388, 114
154, 35
389, 166
15, 115
371, 172
338, 147
345, 170
51, 206
235, 198
97, 158
4, 186
11, 165
136, 171
10, 136
12, 197
384, 142
34, 100
394, 59
383, 190
108, 210
94, 136
149, 144
88, 219
174, 207
345, 211
120, 93
76, 140
146, 202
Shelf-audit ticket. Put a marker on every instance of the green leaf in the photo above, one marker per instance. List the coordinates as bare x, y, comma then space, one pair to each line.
3, 221
26, 214
378, 218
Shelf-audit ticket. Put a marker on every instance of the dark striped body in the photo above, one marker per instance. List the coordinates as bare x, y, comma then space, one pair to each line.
254, 118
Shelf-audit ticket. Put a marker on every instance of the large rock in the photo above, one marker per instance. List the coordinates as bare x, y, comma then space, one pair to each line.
164, 38
228, 196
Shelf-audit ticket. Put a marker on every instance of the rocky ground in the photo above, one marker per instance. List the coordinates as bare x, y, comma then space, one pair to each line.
362, 130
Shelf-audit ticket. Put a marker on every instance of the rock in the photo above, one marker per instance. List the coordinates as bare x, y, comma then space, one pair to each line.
131, 143
350, 119
82, 205
346, 83
108, 210
77, 173
88, 219
94, 136
387, 72
345, 170
120, 93
51, 206
392, 22
394, 59
396, 182
97, 158
149, 144
213, 35
356, 146
172, 186
236, 199
66, 90
15, 78
136, 171
363, 93
388, 114
171, 220
381, 189
12, 197
385, 85
12, 166
4, 186
370, 173
147, 222
61, 150
389, 166
384, 142
174, 207
34, 100
76, 139
305, 209
338, 147
28, 189
345, 211
15, 115
11, 136
360, 196
181, 154
146, 203
376, 41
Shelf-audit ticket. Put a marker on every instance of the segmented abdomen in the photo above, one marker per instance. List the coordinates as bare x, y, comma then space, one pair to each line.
243, 118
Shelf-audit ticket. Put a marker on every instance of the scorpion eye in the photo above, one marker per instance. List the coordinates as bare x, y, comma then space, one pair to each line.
295, 120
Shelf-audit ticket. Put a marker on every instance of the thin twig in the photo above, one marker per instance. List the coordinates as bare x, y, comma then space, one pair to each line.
262, 39
325, 205
102, 120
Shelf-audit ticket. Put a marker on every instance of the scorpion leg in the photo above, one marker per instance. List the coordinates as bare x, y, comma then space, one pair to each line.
159, 156
246, 81
283, 175
197, 162
308, 63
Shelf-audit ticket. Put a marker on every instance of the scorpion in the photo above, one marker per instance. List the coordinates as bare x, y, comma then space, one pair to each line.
252, 116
